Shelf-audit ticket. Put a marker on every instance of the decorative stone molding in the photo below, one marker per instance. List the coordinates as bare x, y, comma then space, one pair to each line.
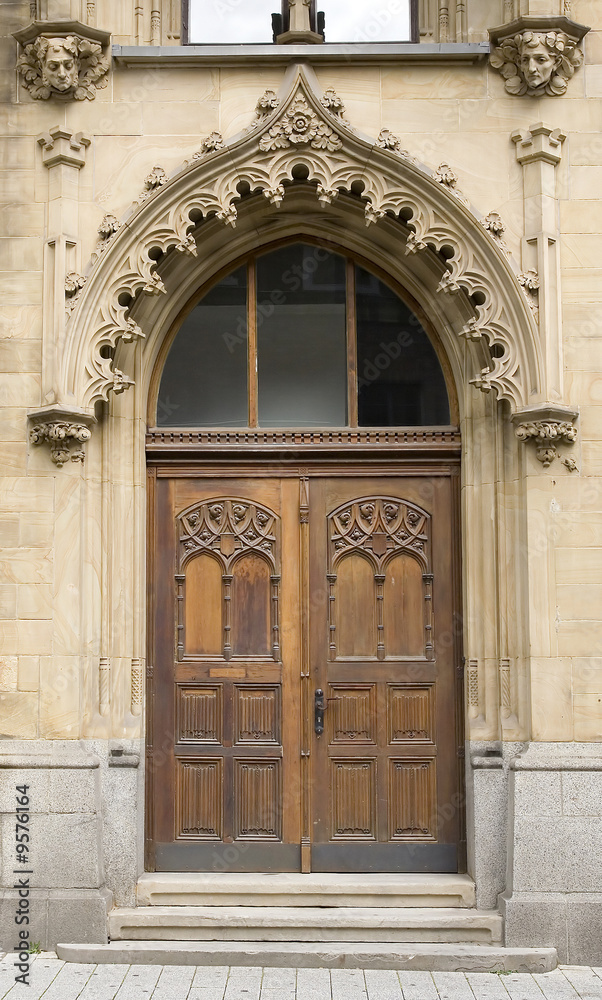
300, 126
63, 59
298, 131
156, 179
529, 281
73, 285
540, 143
537, 56
547, 426
65, 432
60, 146
137, 685
386, 140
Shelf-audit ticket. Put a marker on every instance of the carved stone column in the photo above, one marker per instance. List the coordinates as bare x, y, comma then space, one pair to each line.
63, 155
443, 20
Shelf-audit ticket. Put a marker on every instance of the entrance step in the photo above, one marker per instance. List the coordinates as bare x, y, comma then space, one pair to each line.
308, 923
293, 890
326, 955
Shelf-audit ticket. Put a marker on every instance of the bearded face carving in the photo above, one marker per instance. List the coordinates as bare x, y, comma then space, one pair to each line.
72, 66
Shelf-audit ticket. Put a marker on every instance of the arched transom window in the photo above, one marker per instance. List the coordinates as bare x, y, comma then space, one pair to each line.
301, 337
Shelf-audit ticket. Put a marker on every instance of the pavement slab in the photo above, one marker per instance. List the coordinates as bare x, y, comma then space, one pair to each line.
52, 979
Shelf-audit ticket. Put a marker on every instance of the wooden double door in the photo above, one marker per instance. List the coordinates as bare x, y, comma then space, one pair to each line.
303, 694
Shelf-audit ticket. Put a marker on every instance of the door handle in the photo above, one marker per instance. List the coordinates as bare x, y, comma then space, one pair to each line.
319, 709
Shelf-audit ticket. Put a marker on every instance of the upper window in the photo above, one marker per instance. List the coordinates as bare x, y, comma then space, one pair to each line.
236, 21
301, 337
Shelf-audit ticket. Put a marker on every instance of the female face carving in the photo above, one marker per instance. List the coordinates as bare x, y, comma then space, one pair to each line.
61, 69
537, 63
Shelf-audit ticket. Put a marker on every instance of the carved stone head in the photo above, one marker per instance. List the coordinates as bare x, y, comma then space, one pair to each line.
538, 59
59, 60
69, 66
535, 63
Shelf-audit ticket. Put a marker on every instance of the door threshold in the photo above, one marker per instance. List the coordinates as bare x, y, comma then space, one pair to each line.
296, 889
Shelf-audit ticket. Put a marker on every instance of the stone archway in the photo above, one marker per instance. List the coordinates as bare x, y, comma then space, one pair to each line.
301, 169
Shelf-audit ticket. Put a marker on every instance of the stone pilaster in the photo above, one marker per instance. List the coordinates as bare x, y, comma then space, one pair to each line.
63, 154
539, 151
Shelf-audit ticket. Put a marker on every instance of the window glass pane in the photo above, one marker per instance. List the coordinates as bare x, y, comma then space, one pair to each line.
301, 338
214, 21
400, 382
358, 21
204, 381
231, 21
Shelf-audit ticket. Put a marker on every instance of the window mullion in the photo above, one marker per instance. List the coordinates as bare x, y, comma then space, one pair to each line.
252, 341
352, 411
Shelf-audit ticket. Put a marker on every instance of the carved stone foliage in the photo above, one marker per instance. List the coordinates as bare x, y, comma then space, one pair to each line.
300, 126
64, 433
64, 59
548, 427
298, 130
537, 56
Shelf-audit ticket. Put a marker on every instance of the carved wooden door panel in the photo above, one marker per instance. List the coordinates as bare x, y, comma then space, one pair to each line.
224, 765
385, 769
263, 590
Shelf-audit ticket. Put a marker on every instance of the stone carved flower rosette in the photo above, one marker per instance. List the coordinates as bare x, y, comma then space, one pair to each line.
300, 126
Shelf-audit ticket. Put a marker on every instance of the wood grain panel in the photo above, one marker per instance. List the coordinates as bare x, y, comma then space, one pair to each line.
257, 799
353, 807
203, 607
257, 714
355, 608
411, 713
351, 715
404, 607
199, 714
251, 623
199, 799
412, 800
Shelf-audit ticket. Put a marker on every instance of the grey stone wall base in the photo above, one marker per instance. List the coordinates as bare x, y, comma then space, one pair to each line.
57, 915
569, 922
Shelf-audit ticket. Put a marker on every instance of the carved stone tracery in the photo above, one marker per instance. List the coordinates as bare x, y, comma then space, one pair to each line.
298, 129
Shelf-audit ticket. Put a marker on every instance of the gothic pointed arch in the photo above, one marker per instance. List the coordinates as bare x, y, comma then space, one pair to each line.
300, 168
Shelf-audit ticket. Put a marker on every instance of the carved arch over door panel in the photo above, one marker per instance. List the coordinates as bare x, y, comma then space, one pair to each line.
440, 246
388, 534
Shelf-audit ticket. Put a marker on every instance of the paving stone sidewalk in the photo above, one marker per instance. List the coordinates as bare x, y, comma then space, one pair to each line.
52, 979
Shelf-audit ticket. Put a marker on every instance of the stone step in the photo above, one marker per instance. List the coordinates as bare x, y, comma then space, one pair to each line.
309, 954
293, 889
308, 923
